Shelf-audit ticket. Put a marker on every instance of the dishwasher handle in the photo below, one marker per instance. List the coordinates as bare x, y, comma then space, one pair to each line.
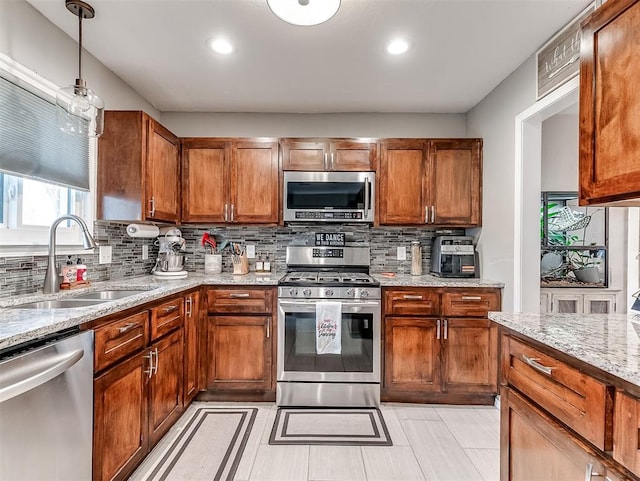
56, 367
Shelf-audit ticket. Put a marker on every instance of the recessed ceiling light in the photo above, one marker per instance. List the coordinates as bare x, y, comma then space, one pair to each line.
397, 47
304, 12
220, 45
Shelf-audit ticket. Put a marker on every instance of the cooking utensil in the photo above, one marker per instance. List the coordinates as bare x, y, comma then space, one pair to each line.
208, 241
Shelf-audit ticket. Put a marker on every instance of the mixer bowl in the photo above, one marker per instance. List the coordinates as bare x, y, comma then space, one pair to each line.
168, 262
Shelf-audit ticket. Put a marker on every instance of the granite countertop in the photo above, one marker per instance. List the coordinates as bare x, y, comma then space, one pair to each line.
22, 325
609, 342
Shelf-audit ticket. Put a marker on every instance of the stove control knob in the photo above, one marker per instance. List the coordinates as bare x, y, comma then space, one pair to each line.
351, 292
293, 292
364, 293
306, 292
328, 292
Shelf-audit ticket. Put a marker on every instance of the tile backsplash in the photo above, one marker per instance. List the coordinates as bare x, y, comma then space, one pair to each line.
25, 275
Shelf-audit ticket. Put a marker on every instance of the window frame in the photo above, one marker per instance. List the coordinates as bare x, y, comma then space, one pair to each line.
34, 240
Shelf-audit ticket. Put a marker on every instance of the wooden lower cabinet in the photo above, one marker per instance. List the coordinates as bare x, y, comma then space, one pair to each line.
166, 385
240, 350
192, 322
120, 439
534, 447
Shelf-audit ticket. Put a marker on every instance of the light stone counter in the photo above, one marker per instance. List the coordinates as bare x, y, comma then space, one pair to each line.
609, 342
407, 280
22, 325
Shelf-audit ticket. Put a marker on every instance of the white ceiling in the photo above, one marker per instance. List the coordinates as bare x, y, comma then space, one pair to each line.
461, 49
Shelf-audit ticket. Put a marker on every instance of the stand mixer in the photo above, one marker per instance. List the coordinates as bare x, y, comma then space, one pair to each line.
170, 261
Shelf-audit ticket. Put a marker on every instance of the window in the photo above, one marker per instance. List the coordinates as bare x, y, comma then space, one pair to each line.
33, 196
573, 242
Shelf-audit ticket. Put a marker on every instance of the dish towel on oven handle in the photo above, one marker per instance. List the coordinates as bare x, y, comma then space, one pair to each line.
328, 327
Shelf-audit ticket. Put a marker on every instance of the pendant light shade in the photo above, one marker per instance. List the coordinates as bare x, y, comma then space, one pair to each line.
80, 109
304, 12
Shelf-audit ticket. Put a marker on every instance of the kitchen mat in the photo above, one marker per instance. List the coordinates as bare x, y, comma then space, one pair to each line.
209, 446
332, 426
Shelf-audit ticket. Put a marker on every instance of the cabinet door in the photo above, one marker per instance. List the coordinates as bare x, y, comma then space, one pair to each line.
454, 179
304, 154
254, 182
412, 354
401, 198
239, 352
191, 345
609, 104
204, 180
162, 174
120, 436
599, 303
166, 385
534, 447
353, 155
626, 429
470, 358
567, 303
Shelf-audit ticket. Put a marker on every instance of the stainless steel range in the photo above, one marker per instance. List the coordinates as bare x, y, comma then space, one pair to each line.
328, 329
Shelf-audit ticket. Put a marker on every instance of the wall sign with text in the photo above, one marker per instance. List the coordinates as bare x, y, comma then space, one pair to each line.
558, 60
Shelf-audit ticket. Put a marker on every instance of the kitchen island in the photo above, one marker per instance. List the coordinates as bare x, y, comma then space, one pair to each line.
570, 396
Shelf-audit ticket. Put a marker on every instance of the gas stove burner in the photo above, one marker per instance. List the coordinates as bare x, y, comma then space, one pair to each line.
343, 279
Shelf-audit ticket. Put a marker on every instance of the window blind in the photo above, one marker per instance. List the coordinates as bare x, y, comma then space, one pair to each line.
32, 145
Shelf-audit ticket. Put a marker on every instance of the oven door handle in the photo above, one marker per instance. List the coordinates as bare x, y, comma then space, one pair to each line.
311, 305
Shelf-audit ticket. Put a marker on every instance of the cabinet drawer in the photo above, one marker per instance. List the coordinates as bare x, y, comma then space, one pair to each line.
572, 396
418, 302
118, 339
626, 432
469, 303
166, 317
240, 301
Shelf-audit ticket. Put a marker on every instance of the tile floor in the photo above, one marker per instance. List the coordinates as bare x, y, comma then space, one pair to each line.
430, 443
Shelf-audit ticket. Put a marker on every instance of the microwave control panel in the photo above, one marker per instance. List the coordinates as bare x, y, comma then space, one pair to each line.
306, 215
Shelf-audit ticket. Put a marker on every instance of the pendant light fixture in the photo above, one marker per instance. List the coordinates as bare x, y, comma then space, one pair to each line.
304, 12
80, 110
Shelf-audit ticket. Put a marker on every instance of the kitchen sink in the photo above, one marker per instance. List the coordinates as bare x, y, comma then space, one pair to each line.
109, 295
61, 304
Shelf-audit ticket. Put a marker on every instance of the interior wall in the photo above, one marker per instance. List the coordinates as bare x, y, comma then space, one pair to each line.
493, 120
197, 124
560, 153
33, 41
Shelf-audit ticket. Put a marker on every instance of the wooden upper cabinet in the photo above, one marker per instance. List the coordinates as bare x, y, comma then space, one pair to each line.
434, 182
402, 178
230, 180
138, 169
329, 154
254, 182
609, 105
454, 182
204, 170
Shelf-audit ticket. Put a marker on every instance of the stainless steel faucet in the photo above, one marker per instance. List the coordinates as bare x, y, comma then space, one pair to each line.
52, 277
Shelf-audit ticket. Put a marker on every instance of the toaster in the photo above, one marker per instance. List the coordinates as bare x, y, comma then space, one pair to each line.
454, 256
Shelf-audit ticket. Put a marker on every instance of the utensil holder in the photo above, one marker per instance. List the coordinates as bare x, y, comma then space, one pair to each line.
240, 264
212, 263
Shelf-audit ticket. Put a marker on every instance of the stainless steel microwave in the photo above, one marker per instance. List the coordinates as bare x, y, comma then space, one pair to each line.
329, 196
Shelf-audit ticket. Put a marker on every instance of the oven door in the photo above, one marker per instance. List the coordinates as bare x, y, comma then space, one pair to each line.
359, 360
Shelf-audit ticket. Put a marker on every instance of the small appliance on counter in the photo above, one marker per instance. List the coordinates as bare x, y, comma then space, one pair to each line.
170, 261
454, 256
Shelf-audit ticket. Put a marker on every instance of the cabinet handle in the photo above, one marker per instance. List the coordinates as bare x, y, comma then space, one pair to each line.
169, 308
433, 214
226, 212
239, 294
152, 205
326, 157
438, 329
533, 362
471, 298
446, 329
188, 306
155, 365
122, 344
366, 196
332, 167
127, 327
233, 212
412, 297
149, 372
589, 474
268, 327
426, 214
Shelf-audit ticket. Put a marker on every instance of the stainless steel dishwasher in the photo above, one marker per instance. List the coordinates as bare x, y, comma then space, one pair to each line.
46, 409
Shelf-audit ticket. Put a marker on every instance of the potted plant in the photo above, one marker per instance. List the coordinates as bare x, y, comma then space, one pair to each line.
584, 265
